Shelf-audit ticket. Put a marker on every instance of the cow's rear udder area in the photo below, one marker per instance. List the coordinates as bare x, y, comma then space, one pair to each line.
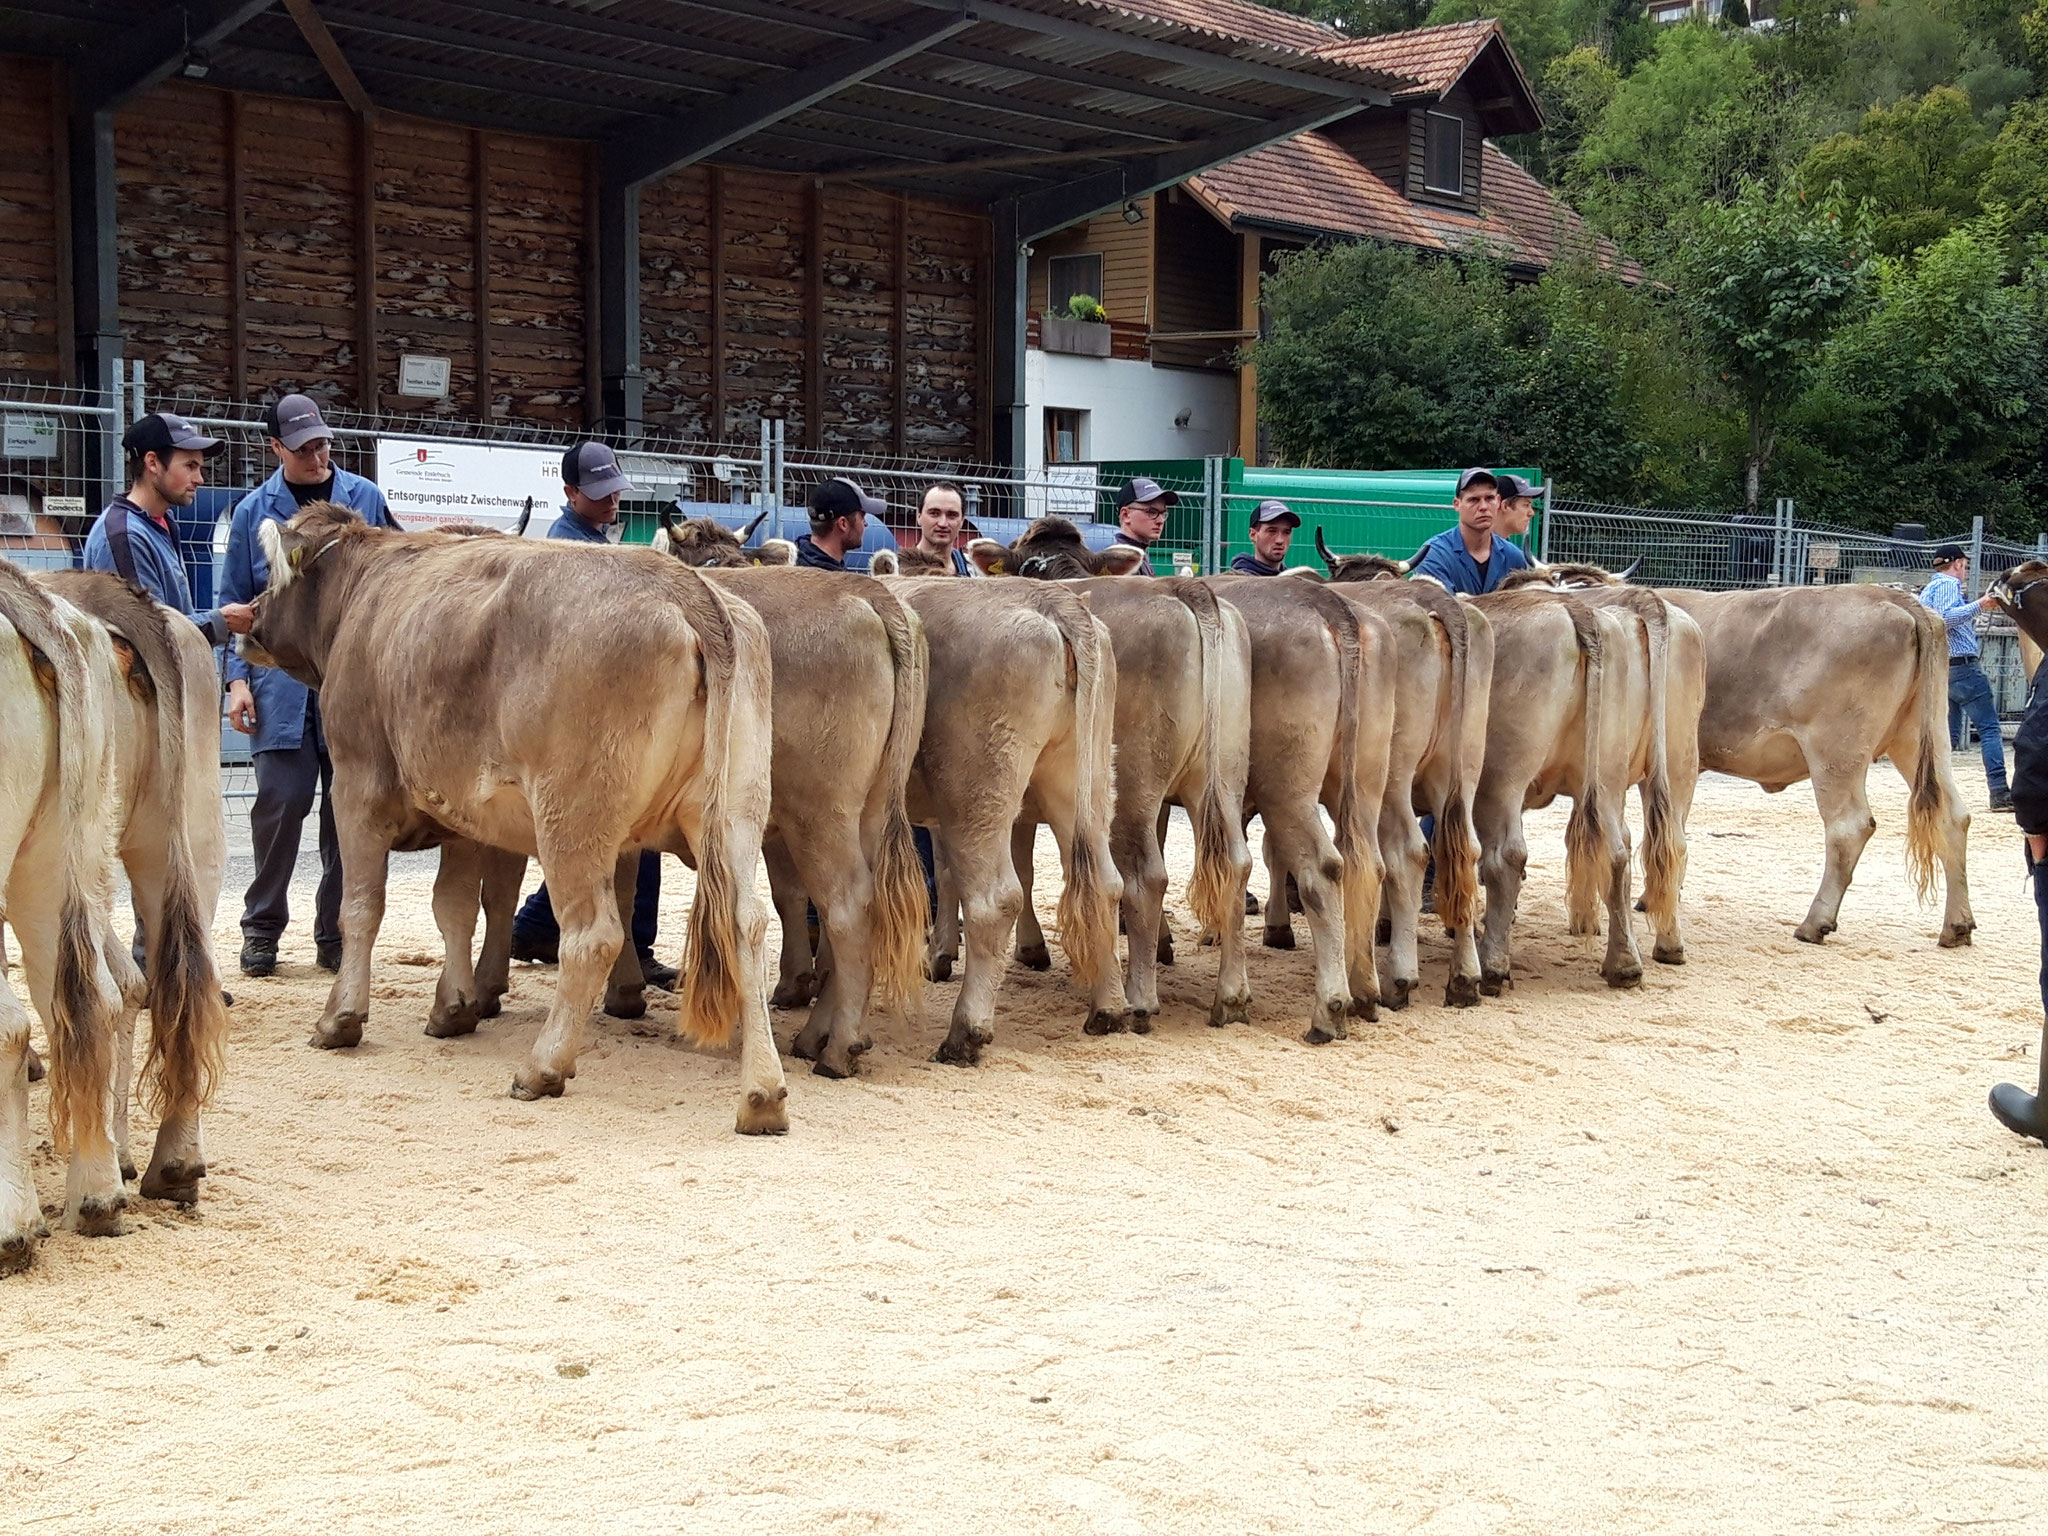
1740, 1251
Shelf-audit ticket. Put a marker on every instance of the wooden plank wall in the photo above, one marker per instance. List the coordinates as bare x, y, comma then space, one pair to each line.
243, 233
1198, 283
29, 177
1126, 262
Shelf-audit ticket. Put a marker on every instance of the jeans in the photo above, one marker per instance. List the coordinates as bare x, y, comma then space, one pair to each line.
535, 922
2038, 873
285, 781
1969, 692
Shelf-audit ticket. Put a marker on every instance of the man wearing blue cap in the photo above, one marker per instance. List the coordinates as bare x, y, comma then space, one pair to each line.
137, 534
592, 484
1141, 508
1272, 530
1472, 558
280, 713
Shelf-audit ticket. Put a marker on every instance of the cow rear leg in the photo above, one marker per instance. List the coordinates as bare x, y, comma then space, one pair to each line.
1847, 823
1297, 840
1952, 835
942, 946
503, 873
990, 899
581, 884
1405, 855
1091, 907
1279, 925
1031, 951
796, 975
21, 1213
625, 987
365, 850
458, 890
1623, 964
833, 862
1503, 864
1143, 868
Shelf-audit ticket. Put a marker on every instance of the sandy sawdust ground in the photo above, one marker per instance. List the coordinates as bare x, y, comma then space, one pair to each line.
1726, 1254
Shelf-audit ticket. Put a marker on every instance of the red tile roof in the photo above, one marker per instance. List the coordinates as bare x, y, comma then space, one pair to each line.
1311, 185
1433, 57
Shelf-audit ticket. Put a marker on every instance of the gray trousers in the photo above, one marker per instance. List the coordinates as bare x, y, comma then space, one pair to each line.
285, 781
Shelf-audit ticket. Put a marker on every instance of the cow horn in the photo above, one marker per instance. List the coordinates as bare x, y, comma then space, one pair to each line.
747, 532
1628, 571
668, 520
1324, 550
525, 514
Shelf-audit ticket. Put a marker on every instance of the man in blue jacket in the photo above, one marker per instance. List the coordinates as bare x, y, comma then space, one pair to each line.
1471, 558
282, 714
137, 534
592, 484
839, 522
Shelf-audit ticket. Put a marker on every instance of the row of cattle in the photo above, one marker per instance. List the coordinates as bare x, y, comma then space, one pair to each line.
502, 698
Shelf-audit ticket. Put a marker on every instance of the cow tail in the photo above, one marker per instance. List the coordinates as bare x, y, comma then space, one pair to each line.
900, 905
1215, 889
1931, 805
1088, 897
725, 921
188, 1023
1354, 814
81, 1031
1585, 834
1663, 837
1456, 850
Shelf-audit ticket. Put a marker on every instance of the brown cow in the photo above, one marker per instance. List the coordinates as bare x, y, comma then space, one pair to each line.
851, 673
1183, 711
555, 699
173, 844
1321, 718
1818, 683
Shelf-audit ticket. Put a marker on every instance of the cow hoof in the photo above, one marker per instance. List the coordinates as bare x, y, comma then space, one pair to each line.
36, 1070
342, 1032
1331, 1025
1461, 992
1955, 936
1230, 1010
18, 1252
1622, 980
1675, 955
176, 1182
808, 1045
1383, 932
1280, 938
962, 1048
1141, 1021
796, 992
1396, 993
447, 1023
532, 1083
1033, 957
1812, 933
1642, 904
1164, 954
1103, 1022
939, 968
490, 1005
100, 1216
1493, 983
764, 1112
1366, 1008
626, 1002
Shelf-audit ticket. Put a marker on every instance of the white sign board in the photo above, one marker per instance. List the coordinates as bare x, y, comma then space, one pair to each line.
437, 482
1070, 491
28, 437
423, 378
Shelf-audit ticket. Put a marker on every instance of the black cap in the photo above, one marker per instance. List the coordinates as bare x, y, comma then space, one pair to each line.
1143, 489
1270, 511
160, 432
1474, 475
1948, 552
594, 470
840, 497
1515, 488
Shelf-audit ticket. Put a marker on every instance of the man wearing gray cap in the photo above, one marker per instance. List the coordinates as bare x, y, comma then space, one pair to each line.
592, 484
1141, 508
1472, 558
137, 534
1517, 506
1273, 525
280, 713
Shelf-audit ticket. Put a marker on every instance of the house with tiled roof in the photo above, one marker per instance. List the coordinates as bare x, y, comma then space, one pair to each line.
1178, 272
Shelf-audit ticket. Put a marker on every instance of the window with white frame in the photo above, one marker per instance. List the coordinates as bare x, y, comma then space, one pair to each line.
1443, 153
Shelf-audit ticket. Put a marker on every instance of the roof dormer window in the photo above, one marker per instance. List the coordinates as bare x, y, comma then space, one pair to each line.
1443, 154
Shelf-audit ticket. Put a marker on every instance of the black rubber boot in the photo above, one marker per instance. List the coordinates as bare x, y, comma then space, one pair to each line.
2021, 1112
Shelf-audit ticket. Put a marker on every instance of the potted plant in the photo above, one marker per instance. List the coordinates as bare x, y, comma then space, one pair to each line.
1083, 330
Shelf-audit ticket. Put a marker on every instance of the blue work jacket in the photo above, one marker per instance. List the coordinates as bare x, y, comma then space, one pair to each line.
280, 700
571, 527
156, 562
1446, 558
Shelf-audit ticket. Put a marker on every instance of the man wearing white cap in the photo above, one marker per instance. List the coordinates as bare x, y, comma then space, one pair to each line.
283, 715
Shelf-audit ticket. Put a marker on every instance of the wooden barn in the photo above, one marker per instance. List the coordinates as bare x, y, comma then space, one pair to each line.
652, 216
